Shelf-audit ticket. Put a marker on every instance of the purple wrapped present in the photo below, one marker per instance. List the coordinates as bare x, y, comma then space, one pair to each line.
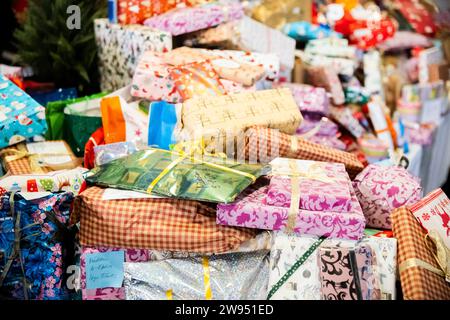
382, 189
186, 20
309, 98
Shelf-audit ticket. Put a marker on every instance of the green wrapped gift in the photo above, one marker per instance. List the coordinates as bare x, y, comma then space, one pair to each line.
356, 95
173, 174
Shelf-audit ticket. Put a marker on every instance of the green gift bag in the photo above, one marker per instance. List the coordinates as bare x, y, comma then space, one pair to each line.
179, 175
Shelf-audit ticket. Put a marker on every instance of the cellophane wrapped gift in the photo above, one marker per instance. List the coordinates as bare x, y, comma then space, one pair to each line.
421, 277
35, 232
216, 116
327, 78
311, 179
234, 276
109, 152
39, 157
120, 47
172, 174
63, 180
252, 211
265, 144
159, 223
308, 98
186, 20
382, 189
21, 117
295, 272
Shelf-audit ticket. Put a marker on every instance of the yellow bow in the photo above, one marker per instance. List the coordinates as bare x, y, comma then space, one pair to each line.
195, 148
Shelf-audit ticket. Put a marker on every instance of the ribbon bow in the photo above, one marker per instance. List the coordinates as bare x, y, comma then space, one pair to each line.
442, 254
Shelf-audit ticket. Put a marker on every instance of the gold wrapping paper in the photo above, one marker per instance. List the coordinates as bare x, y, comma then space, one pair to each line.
276, 13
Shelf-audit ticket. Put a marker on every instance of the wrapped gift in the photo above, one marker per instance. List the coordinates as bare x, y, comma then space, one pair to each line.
34, 254
345, 117
304, 31
366, 35
96, 139
217, 116
421, 276
356, 95
327, 78
402, 40
120, 47
307, 181
379, 119
341, 65
420, 19
153, 223
331, 47
64, 180
173, 174
381, 189
186, 20
21, 117
308, 98
314, 124
373, 148
276, 13
422, 134
331, 142
348, 273
264, 144
39, 157
109, 152
47, 96
250, 210
225, 277
409, 111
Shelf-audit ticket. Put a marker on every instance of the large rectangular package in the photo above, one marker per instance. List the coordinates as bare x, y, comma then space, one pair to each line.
160, 224
120, 47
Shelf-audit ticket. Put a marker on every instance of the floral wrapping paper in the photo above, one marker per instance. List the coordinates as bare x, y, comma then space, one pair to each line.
308, 98
42, 245
381, 189
172, 174
421, 134
344, 116
63, 180
330, 192
186, 20
21, 117
250, 211
119, 50
234, 276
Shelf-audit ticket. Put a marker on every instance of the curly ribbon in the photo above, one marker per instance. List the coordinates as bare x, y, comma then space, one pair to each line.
206, 278
294, 267
184, 156
441, 254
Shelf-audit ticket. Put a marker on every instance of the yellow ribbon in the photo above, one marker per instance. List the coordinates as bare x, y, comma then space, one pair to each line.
294, 143
183, 156
442, 257
169, 294
206, 278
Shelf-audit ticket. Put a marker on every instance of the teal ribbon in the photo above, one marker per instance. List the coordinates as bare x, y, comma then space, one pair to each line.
294, 267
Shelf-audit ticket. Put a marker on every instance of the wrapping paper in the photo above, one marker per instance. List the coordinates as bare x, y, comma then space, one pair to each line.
214, 116
250, 210
42, 253
160, 224
323, 187
304, 31
326, 78
331, 47
344, 116
421, 134
276, 13
173, 174
381, 189
231, 277
373, 148
331, 142
64, 180
417, 282
188, 20
417, 15
119, 50
379, 119
308, 98
109, 152
404, 40
366, 35
96, 139
340, 65
312, 122
356, 95
264, 144
21, 117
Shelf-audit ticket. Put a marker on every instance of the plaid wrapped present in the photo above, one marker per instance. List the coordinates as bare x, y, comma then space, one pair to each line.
264, 144
161, 224
415, 259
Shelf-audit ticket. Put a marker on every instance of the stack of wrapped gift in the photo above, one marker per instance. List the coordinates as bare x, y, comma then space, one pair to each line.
299, 199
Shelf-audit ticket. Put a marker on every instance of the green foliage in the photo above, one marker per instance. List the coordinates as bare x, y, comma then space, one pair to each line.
56, 53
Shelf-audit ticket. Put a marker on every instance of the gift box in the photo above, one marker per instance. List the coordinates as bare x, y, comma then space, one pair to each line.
63, 180
251, 211
307, 181
109, 152
264, 144
34, 261
420, 274
327, 78
420, 134
276, 13
186, 20
153, 223
229, 115
314, 124
305, 31
373, 148
120, 48
380, 190
402, 40
173, 174
331, 142
419, 18
21, 117
39, 157
331, 47
345, 117
308, 98
340, 65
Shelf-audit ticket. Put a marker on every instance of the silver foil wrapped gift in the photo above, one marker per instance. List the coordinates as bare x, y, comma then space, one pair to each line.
234, 276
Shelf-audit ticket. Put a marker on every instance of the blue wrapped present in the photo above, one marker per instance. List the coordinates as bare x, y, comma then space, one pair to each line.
21, 117
34, 243
304, 31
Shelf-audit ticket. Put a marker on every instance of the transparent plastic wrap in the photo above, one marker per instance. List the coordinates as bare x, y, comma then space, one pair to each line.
236, 276
109, 152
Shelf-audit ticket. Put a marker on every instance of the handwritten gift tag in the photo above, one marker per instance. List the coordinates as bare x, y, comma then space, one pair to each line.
104, 269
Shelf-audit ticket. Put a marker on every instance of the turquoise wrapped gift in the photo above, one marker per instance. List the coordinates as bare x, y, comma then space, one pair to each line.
21, 117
